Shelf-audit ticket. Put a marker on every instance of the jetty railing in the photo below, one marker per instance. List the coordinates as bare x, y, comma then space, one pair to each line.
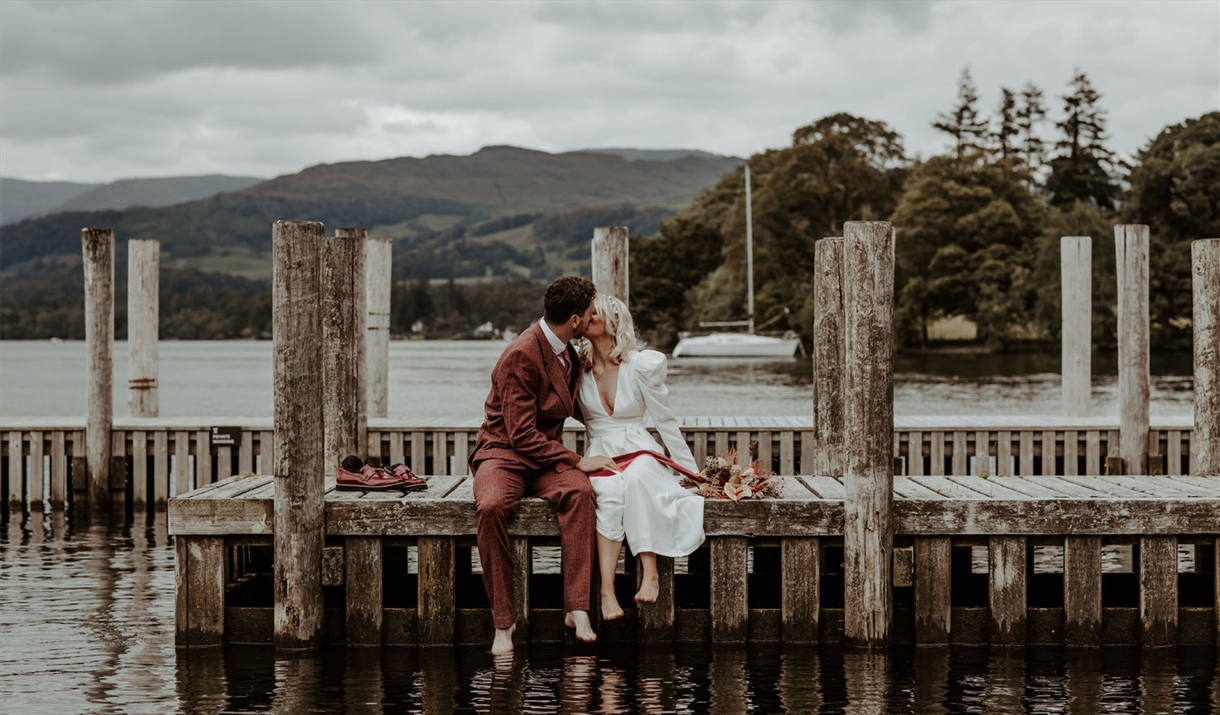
154, 459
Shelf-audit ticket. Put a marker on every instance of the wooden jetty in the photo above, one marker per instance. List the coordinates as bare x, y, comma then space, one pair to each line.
401, 569
1077, 530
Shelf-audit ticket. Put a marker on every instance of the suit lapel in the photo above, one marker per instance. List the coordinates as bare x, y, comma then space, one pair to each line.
554, 369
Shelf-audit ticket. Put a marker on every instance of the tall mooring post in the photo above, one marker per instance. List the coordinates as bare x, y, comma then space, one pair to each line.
610, 262
1076, 276
344, 403
828, 357
97, 245
143, 314
868, 416
299, 484
378, 267
1131, 249
1205, 439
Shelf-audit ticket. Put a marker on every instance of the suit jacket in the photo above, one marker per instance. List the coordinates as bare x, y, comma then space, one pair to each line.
531, 397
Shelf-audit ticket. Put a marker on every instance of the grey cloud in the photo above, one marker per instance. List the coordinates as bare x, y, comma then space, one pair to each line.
323, 82
109, 43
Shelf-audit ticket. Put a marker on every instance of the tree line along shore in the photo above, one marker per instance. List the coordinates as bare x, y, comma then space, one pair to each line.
977, 227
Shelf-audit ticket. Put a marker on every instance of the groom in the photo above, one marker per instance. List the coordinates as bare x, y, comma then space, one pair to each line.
519, 453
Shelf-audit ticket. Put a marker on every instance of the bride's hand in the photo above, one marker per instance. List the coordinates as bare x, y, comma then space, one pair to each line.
595, 464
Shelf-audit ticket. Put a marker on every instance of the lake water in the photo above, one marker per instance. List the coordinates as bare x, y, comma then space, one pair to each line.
86, 611
448, 380
86, 626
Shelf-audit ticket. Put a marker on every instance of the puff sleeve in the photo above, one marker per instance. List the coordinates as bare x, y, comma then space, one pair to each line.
650, 368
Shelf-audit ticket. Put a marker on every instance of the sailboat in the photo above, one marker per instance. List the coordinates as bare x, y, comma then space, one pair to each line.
739, 345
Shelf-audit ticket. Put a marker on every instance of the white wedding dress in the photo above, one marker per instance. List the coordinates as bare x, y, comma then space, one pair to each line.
644, 501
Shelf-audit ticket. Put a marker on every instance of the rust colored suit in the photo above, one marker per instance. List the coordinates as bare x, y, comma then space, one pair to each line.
519, 453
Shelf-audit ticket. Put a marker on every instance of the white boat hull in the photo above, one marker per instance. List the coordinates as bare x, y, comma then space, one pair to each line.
736, 345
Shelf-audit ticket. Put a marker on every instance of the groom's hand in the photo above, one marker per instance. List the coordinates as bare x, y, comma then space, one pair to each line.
595, 464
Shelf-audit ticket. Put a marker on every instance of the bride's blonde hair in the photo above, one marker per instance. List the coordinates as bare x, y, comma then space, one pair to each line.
619, 325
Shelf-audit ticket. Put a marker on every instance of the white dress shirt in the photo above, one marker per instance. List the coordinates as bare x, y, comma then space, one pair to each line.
559, 346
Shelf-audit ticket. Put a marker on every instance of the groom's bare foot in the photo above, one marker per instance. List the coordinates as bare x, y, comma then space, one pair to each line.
502, 643
611, 611
579, 621
650, 588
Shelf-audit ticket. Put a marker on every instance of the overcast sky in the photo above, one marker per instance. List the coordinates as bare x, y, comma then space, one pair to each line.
99, 91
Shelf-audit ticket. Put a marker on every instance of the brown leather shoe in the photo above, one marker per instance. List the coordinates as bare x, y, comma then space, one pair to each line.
411, 483
355, 475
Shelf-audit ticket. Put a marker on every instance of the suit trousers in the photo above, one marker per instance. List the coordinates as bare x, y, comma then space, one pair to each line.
499, 485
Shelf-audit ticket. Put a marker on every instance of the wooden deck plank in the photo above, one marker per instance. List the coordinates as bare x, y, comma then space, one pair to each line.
799, 599
947, 488
233, 487
1074, 490
1028, 487
1006, 580
1082, 590
906, 488
1156, 487
1158, 571
1104, 485
729, 609
826, 487
992, 488
1210, 485
933, 589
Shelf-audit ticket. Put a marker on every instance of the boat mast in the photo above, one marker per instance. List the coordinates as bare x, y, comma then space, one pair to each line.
749, 254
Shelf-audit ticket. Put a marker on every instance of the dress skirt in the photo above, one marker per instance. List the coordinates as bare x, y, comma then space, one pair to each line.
644, 502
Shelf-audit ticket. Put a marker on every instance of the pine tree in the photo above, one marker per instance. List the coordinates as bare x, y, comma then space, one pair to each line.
1083, 168
963, 123
1007, 130
1029, 116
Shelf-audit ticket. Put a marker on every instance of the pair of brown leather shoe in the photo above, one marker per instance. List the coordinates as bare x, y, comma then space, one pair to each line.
355, 475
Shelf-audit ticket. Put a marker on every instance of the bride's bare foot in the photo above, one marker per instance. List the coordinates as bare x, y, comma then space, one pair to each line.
502, 643
579, 621
611, 611
650, 588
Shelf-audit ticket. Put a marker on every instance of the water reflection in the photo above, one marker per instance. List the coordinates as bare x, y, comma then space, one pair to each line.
86, 619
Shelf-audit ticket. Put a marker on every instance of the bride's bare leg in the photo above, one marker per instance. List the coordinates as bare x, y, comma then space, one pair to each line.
607, 559
650, 585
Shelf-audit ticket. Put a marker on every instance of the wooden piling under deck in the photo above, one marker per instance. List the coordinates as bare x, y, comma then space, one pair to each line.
794, 591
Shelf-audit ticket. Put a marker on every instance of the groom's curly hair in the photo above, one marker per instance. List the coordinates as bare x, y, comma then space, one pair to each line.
567, 296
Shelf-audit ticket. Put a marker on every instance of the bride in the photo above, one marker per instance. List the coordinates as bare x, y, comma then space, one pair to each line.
621, 387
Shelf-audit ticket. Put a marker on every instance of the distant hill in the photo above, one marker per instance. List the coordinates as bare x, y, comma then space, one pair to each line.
657, 154
167, 191
454, 215
21, 199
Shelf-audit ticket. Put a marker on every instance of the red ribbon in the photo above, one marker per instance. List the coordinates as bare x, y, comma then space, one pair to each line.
624, 459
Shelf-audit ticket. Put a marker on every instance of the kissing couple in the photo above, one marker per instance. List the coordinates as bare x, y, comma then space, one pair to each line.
609, 383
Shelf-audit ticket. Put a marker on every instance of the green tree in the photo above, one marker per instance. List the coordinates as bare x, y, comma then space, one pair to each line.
1175, 190
1007, 128
1083, 168
1028, 118
839, 168
963, 123
965, 247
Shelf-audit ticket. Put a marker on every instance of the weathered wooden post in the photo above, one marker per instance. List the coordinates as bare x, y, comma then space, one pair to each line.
1205, 439
342, 318
1131, 247
297, 332
143, 314
868, 396
378, 266
828, 357
98, 247
610, 262
1076, 276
